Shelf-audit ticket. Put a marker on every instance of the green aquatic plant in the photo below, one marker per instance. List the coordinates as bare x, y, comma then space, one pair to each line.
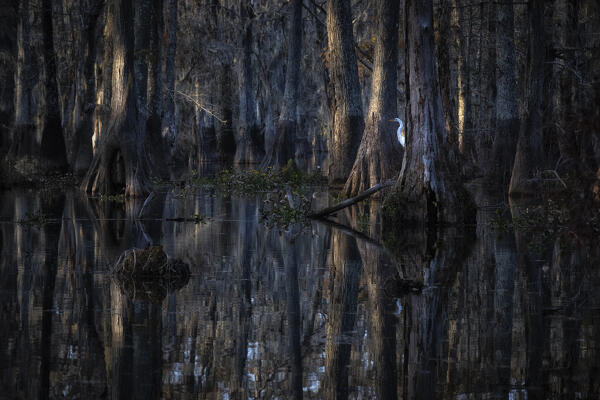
283, 209
37, 219
253, 181
276, 186
548, 219
115, 198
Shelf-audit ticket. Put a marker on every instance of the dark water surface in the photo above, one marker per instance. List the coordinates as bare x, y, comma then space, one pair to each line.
321, 312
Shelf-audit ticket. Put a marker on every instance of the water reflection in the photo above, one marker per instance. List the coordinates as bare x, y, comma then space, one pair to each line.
318, 312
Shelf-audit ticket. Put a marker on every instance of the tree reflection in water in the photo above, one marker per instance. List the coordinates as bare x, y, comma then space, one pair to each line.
301, 312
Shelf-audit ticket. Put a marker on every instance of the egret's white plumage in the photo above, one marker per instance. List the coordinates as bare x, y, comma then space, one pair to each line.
398, 311
400, 132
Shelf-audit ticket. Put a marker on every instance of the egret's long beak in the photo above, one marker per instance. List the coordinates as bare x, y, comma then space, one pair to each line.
391, 120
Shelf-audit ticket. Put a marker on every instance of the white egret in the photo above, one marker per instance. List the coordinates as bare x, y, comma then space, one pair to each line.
400, 132
398, 311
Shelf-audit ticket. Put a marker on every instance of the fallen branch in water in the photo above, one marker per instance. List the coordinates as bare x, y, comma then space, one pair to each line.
352, 200
148, 200
352, 233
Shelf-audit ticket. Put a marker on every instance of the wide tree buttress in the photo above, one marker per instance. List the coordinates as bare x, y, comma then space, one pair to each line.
429, 188
120, 164
380, 155
348, 122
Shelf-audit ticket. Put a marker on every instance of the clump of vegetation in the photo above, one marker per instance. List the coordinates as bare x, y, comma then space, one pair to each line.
148, 273
37, 219
285, 190
255, 181
550, 218
283, 209
114, 198
30, 172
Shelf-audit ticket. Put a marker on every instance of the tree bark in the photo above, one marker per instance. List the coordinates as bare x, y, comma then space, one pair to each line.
446, 54
428, 189
143, 26
205, 123
119, 164
347, 114
23, 133
104, 70
82, 141
250, 146
320, 142
507, 113
528, 156
156, 144
285, 140
53, 151
464, 32
380, 155
9, 17
143, 20
487, 124
564, 101
169, 128
225, 138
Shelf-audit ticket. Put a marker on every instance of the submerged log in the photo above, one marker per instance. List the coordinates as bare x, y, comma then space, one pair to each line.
352, 200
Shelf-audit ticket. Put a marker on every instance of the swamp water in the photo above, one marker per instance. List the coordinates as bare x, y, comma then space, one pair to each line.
322, 310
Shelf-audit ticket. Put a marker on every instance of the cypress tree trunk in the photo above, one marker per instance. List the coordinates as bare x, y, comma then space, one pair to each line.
9, 17
507, 113
428, 189
207, 132
169, 122
82, 141
143, 26
225, 138
119, 165
284, 146
564, 101
465, 104
488, 91
446, 54
379, 155
156, 144
250, 146
348, 123
104, 71
53, 151
528, 157
23, 133
320, 150
155, 67
143, 20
